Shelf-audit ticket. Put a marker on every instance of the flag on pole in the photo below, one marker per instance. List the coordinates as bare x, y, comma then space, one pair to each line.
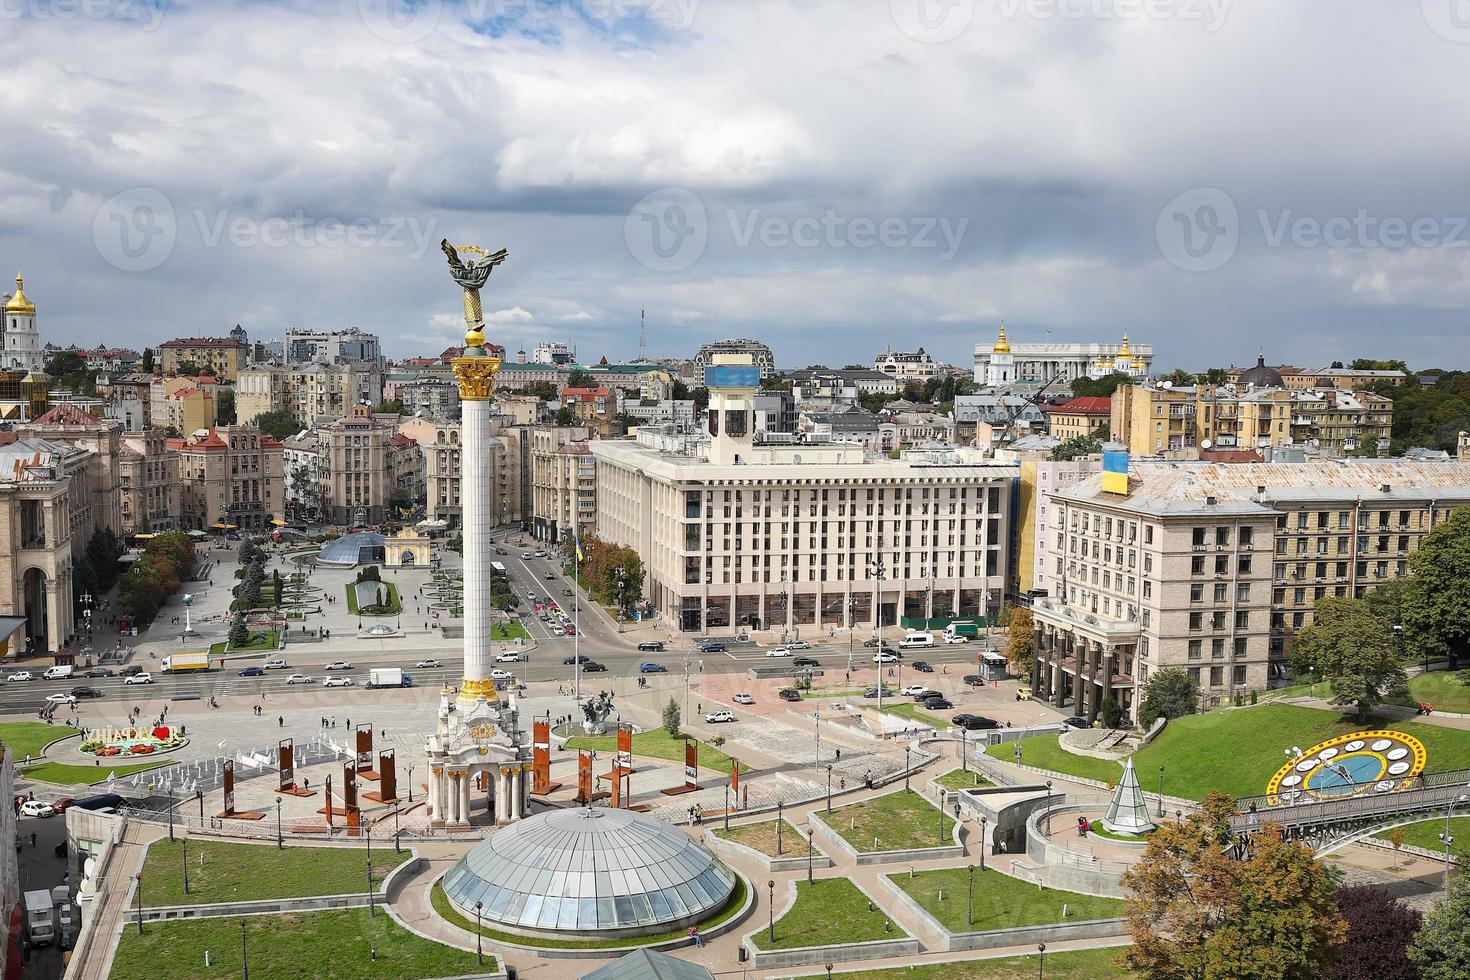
577, 540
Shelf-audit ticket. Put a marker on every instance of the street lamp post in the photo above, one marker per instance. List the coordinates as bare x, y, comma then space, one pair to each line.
1048, 808
829, 787
280, 841
809, 856
727, 808
771, 908
170, 814
410, 784
984, 840
372, 909
1447, 839
877, 566
970, 892
1161, 791
1041, 966
479, 945
138, 887
244, 954
185, 841
780, 819
905, 763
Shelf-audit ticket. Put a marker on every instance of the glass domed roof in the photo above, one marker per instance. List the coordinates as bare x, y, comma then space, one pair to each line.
589, 869
358, 548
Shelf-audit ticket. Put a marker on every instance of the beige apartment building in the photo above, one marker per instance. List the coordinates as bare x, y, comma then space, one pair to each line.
232, 475
563, 482
37, 483
1342, 422
223, 357
509, 468
148, 481
307, 391
738, 534
361, 467
1078, 416
1215, 567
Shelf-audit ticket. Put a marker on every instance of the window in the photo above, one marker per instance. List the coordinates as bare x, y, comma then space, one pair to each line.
1199, 537
1217, 676
1196, 621
1194, 649
1245, 564
1237, 674
1197, 592
1246, 536
1222, 536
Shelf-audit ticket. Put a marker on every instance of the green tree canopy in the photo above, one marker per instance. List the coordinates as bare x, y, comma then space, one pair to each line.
281, 424
224, 406
1077, 447
1100, 387
1353, 649
1440, 950
1436, 610
578, 378
1168, 693
671, 717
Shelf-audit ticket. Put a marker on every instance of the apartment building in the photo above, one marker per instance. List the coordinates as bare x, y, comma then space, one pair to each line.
563, 482
1342, 422
223, 357
332, 347
308, 391
739, 534
1215, 567
1078, 416
510, 468
37, 517
232, 476
594, 408
148, 483
367, 470
906, 366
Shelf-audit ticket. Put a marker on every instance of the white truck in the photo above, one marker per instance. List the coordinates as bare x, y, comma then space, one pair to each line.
388, 677
59, 672
181, 663
40, 924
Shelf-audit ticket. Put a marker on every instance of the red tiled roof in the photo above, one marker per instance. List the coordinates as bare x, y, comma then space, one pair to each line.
69, 414
204, 342
1087, 405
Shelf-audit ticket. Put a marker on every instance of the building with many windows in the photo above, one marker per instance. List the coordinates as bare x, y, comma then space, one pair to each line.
223, 357
332, 347
232, 475
1004, 362
563, 482
148, 481
1078, 416
509, 468
737, 533
760, 355
905, 366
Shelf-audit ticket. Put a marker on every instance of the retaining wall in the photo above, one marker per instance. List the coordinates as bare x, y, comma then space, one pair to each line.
740, 852
833, 843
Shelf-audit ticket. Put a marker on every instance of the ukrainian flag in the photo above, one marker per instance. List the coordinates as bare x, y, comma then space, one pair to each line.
577, 540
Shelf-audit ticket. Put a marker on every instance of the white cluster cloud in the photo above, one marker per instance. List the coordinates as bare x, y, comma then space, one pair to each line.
343, 139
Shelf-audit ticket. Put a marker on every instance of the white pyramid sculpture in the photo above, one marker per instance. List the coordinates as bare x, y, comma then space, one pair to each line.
1128, 812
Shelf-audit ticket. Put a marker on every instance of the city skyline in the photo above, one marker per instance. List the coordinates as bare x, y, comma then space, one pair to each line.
577, 138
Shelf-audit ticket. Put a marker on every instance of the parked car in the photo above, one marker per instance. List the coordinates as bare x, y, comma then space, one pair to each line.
85, 692
955, 638
569, 661
715, 717
61, 699
971, 723
337, 682
277, 664
36, 808
60, 806
779, 652
593, 667
649, 667
805, 662
20, 675
885, 658
974, 680
872, 692
743, 698
142, 677
426, 664
922, 666
790, 694
97, 672
913, 690
298, 679
255, 672
499, 674
338, 665
936, 704
1076, 721
508, 657
799, 645
652, 646
130, 670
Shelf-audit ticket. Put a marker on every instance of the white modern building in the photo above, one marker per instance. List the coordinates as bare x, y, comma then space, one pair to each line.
1004, 362
906, 365
332, 347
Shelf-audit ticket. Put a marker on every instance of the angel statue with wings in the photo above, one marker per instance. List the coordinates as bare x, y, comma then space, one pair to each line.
472, 276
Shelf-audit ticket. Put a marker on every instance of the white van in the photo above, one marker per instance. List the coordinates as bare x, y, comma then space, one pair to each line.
57, 673
913, 640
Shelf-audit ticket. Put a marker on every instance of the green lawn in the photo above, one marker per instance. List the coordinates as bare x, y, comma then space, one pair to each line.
64, 774
1084, 964
333, 945
899, 821
1441, 690
962, 779
260, 641
1235, 751
762, 837
30, 738
657, 744
1426, 833
512, 630
911, 711
241, 872
828, 912
1097, 828
393, 607
440, 901
1001, 902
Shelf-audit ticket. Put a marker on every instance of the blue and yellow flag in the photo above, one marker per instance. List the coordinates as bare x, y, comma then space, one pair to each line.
577, 540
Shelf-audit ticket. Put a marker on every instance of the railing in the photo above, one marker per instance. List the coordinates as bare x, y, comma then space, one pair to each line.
1419, 792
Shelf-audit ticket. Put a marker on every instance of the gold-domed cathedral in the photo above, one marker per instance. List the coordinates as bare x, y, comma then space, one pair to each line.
20, 344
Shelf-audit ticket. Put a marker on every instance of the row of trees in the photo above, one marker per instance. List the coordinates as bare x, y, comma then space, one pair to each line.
1198, 908
612, 573
164, 565
96, 569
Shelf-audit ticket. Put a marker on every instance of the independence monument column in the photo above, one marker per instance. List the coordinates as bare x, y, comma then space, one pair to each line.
475, 372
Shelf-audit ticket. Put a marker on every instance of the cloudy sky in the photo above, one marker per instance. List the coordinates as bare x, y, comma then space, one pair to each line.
831, 176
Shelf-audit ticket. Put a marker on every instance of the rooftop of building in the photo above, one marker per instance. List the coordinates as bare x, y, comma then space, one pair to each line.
1086, 405
218, 342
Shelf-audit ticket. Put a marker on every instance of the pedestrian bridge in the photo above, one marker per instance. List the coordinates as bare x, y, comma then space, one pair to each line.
1327, 825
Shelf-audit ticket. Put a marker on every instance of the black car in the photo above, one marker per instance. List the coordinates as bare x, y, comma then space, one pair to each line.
1077, 721
654, 646
971, 723
500, 551
790, 694
593, 667
805, 662
872, 692
974, 680
939, 703
85, 692
871, 642
922, 666
253, 672
97, 672
569, 661
712, 648
130, 670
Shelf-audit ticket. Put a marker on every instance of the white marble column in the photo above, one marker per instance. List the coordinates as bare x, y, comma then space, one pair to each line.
436, 803
475, 492
464, 799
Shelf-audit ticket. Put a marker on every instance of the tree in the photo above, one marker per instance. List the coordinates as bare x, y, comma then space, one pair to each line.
1168, 693
1354, 650
671, 718
393, 407
1369, 364
564, 416
1076, 447
679, 391
1196, 912
147, 360
224, 406
1215, 376
1100, 387
1379, 933
239, 635
1180, 377
1440, 950
1111, 711
66, 362
1021, 640
281, 424
701, 398
1437, 609
579, 378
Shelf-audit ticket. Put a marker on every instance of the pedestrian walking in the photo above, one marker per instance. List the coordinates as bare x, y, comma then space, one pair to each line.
280, 721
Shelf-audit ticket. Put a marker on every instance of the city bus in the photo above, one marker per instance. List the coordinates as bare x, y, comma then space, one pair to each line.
498, 570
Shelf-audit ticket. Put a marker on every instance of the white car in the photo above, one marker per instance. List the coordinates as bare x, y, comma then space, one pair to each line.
743, 698
885, 658
913, 690
20, 675
955, 638
719, 716
509, 657
143, 678
799, 645
426, 664
338, 665
298, 679
36, 808
275, 665
61, 699
559, 630
779, 652
501, 675
337, 682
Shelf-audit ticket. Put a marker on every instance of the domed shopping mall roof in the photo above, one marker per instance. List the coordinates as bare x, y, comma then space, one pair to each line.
589, 870
359, 548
